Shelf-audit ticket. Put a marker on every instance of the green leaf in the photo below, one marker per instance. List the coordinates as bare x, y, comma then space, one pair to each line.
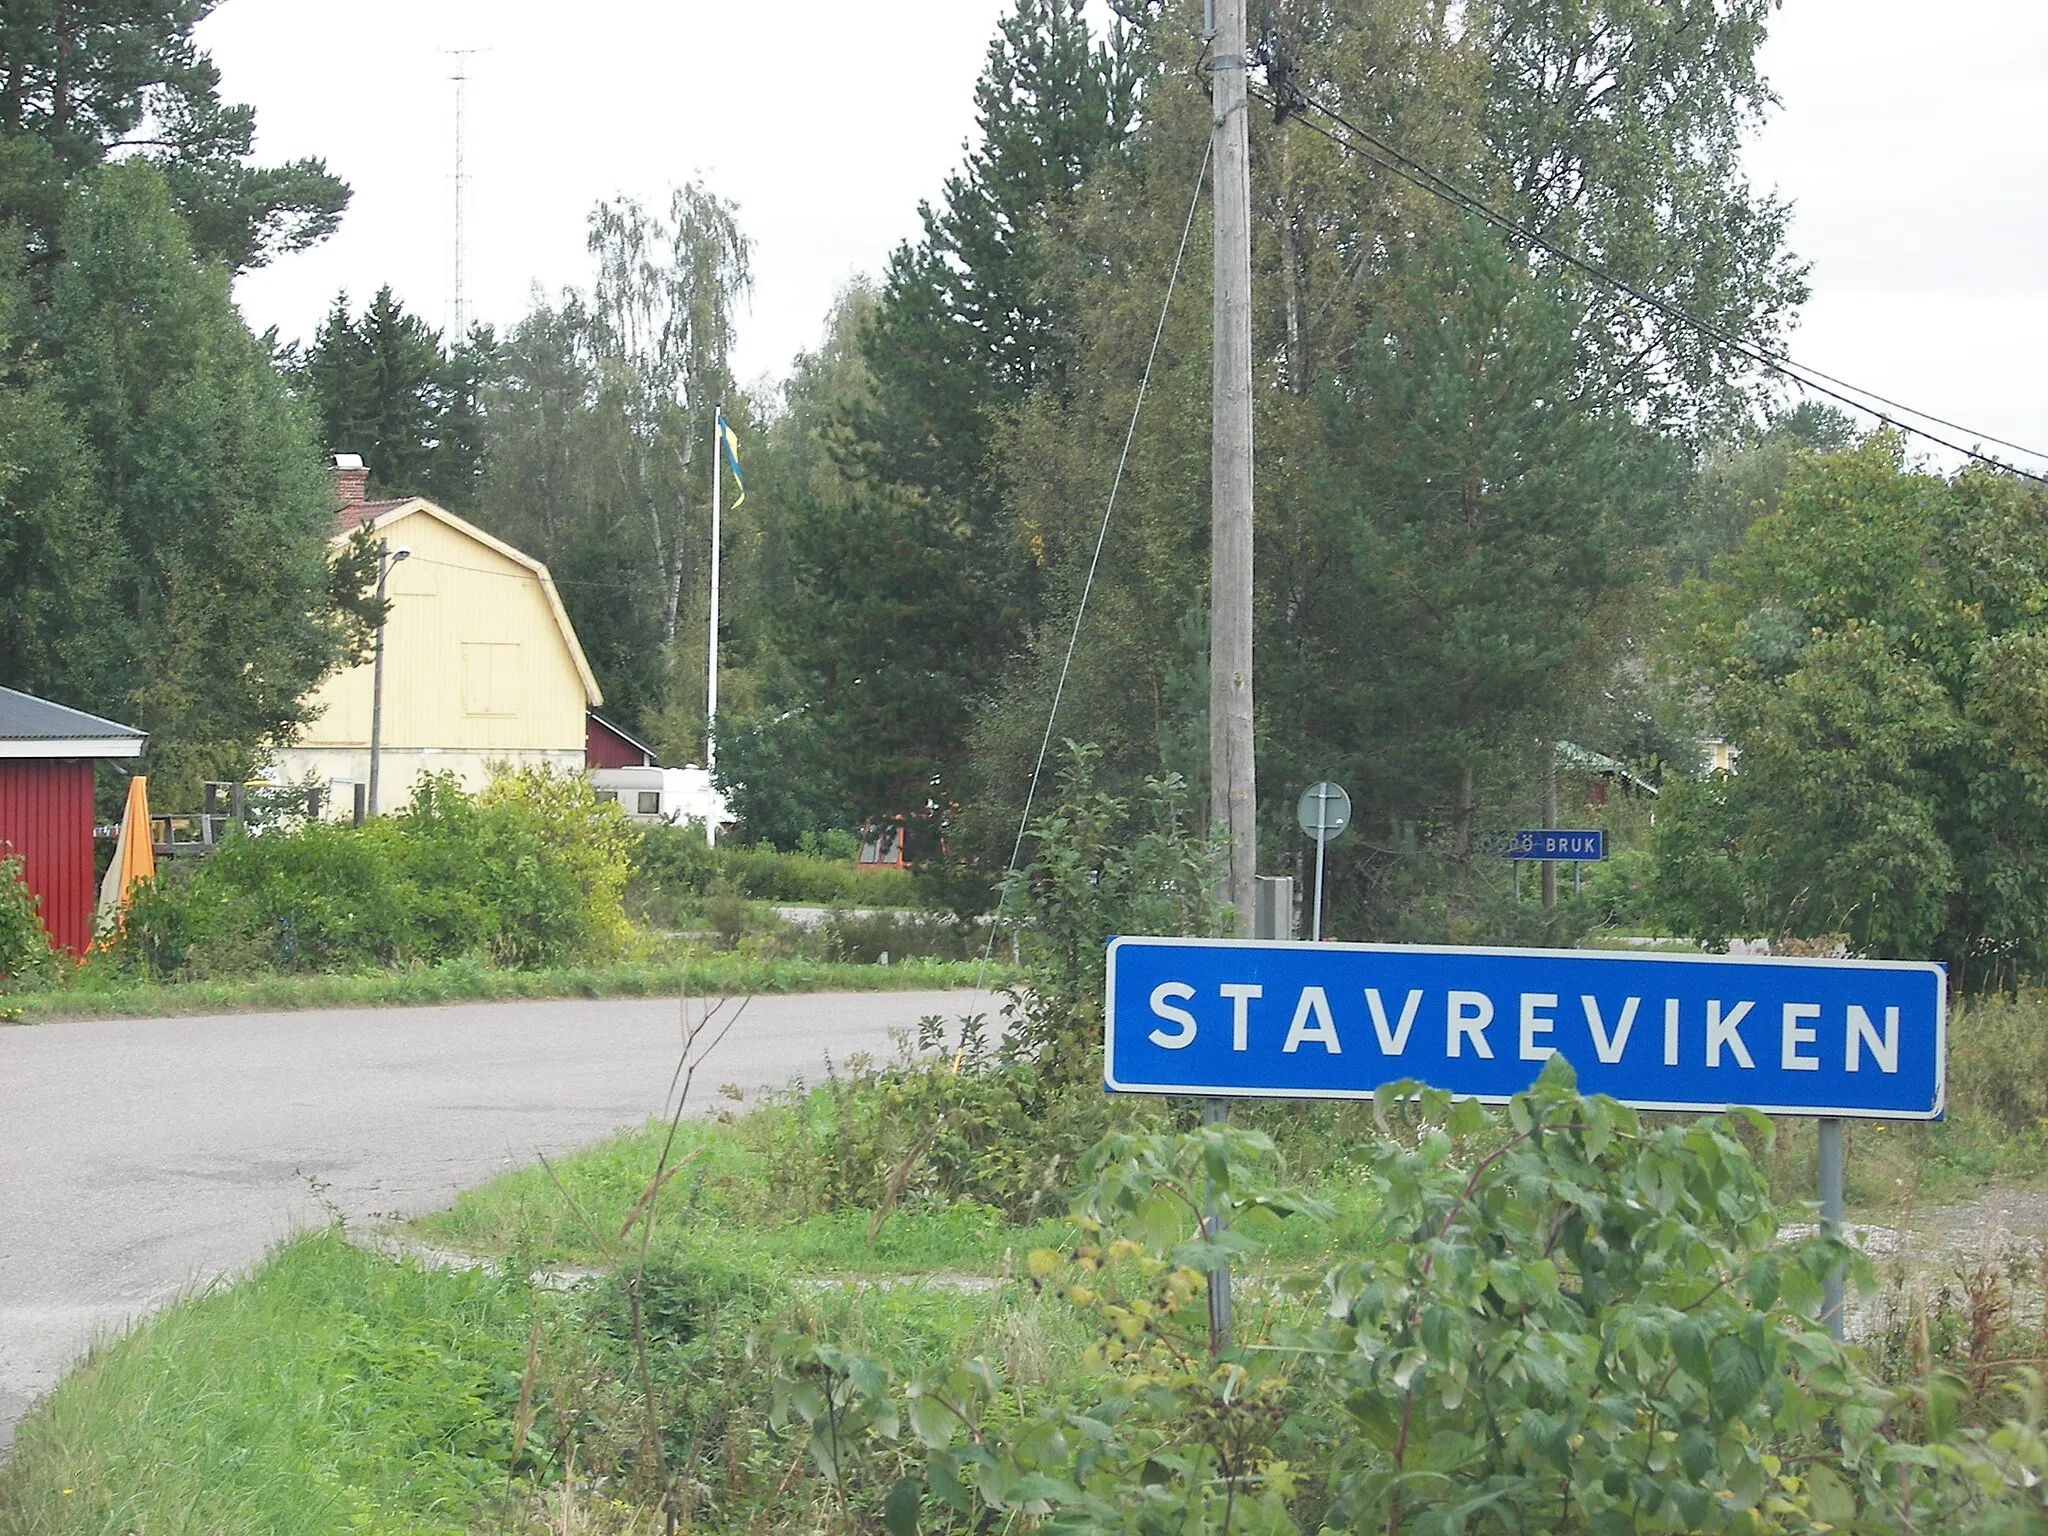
1037, 1485
1828, 1495
899, 1509
941, 1474
1696, 1452
1738, 1375
1689, 1346
931, 1421
1467, 1118
1160, 1223
1762, 1281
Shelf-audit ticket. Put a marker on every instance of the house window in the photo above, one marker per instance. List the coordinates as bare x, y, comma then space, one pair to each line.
650, 802
490, 678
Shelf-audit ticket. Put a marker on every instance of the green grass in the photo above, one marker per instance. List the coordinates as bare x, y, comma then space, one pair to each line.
721, 1208
1637, 943
89, 996
332, 1391
337, 1391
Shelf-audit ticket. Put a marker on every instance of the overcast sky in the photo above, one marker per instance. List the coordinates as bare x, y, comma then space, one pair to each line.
1910, 140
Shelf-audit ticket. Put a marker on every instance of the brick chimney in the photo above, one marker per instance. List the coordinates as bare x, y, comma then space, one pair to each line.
351, 480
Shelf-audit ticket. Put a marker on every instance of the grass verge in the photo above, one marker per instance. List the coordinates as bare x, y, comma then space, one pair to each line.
468, 981
332, 1391
335, 1390
338, 1391
719, 1210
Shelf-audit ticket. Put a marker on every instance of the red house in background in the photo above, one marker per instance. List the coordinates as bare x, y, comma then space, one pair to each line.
609, 746
46, 758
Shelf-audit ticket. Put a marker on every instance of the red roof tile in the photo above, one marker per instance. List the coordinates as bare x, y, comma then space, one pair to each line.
353, 516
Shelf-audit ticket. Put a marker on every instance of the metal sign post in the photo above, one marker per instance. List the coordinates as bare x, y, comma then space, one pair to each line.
1324, 811
1831, 1217
1273, 918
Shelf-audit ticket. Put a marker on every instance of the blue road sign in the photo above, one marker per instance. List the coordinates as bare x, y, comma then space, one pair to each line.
1560, 845
1230, 1018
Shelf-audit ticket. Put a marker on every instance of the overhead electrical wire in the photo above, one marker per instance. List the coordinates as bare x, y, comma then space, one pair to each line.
1396, 162
1095, 563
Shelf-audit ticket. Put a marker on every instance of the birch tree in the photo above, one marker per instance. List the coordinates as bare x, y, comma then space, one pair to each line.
661, 333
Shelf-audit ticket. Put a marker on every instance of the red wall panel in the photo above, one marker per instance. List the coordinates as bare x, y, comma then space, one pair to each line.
604, 747
46, 815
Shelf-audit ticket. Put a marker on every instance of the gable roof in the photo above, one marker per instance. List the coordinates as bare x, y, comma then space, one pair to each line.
33, 727
379, 514
354, 515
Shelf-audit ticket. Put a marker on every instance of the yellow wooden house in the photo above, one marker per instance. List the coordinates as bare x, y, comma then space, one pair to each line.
482, 668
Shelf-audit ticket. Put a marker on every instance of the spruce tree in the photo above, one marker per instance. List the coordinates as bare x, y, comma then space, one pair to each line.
968, 324
382, 388
170, 465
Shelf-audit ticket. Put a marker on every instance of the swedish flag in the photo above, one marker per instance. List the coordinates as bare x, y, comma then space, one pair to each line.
732, 457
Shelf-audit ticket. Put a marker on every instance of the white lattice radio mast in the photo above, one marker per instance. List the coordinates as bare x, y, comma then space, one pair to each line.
459, 329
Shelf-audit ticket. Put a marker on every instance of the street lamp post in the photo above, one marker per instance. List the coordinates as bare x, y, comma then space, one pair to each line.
387, 557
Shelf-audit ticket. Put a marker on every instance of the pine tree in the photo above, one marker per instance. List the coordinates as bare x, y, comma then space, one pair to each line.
81, 79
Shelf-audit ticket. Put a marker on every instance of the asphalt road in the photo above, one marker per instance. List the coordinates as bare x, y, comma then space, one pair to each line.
139, 1158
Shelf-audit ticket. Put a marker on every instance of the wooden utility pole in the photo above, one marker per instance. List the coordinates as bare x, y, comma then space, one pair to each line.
1233, 788
387, 557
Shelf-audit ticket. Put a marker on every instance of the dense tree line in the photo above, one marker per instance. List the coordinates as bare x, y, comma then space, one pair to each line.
1490, 488
1500, 505
1472, 462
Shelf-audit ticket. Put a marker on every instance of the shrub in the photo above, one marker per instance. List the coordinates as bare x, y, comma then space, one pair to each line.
1100, 866
1564, 1320
832, 843
862, 938
559, 858
674, 870
1618, 889
1998, 1062
530, 872
972, 1124
24, 947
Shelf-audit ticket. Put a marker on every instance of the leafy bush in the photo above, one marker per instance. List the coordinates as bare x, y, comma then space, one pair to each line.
1875, 647
862, 938
1100, 867
24, 946
1565, 1321
530, 872
832, 843
973, 1124
1618, 889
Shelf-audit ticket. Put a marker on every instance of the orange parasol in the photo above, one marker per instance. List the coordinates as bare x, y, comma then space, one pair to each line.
134, 856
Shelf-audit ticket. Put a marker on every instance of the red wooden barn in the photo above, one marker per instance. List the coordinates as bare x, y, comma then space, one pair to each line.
46, 758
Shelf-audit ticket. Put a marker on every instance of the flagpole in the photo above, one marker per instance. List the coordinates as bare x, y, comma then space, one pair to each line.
711, 668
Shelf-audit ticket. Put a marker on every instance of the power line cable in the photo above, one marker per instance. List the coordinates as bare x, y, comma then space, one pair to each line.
1398, 163
1094, 564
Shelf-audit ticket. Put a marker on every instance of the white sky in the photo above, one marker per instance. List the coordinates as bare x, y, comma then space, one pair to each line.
1913, 150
